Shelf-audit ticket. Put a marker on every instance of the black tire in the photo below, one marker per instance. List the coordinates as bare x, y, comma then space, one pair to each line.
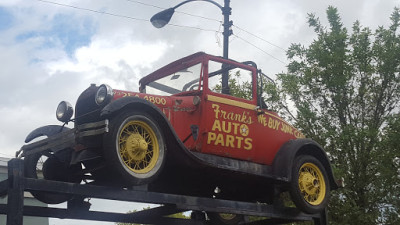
309, 186
224, 218
46, 166
134, 148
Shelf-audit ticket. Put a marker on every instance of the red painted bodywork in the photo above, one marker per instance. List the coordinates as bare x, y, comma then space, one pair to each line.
228, 126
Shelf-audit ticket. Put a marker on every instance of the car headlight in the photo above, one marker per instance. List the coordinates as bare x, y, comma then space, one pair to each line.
64, 111
104, 94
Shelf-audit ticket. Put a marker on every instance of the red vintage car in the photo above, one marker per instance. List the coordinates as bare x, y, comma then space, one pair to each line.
180, 134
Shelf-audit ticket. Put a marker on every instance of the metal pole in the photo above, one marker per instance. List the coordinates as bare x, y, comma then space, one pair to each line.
226, 11
15, 202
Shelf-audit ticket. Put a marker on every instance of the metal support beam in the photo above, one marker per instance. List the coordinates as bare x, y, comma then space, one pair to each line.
15, 201
15, 210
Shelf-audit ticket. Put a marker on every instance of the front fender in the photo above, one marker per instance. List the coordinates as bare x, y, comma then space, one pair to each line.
47, 131
123, 103
284, 159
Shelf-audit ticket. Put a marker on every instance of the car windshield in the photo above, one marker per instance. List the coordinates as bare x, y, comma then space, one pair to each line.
175, 83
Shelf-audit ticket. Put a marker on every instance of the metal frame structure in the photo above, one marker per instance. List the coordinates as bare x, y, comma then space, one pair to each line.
77, 208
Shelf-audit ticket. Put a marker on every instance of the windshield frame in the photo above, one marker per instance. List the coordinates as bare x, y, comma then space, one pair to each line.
173, 67
203, 58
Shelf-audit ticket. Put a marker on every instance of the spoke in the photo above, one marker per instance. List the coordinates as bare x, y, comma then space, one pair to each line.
127, 132
147, 138
128, 161
149, 154
140, 166
136, 130
123, 139
143, 133
314, 173
136, 166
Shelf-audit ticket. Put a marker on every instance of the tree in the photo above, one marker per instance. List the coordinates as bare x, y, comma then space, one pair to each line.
345, 92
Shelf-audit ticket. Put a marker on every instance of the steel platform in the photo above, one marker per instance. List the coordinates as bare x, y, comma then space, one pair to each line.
15, 209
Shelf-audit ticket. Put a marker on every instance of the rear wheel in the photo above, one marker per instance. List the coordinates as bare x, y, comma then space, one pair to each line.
134, 147
45, 165
309, 185
224, 218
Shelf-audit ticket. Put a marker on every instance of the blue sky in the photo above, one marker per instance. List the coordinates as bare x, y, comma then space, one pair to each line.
6, 19
64, 30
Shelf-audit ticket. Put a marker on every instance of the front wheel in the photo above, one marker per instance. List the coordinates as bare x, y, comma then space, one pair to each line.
135, 147
309, 187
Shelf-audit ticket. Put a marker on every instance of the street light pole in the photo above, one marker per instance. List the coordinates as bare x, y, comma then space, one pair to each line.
162, 18
226, 11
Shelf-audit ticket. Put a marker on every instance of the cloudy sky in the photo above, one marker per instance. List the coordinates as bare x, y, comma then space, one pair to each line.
52, 50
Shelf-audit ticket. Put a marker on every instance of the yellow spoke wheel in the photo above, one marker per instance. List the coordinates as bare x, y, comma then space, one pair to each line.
138, 146
134, 148
309, 186
224, 218
312, 184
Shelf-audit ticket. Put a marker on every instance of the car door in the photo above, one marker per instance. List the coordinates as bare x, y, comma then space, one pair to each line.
228, 120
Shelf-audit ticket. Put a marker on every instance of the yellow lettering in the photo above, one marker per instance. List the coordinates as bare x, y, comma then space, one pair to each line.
158, 101
287, 129
211, 137
216, 126
151, 99
231, 116
244, 118
229, 141
223, 114
235, 128
239, 142
220, 140
248, 143
225, 128
273, 124
262, 120
298, 134
216, 110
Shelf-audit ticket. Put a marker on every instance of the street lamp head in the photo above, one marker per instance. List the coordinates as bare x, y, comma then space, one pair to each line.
162, 18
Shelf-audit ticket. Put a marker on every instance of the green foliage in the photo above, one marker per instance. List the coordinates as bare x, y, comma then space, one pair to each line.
345, 92
236, 87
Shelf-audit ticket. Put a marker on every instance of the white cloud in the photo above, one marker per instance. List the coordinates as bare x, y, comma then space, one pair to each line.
116, 60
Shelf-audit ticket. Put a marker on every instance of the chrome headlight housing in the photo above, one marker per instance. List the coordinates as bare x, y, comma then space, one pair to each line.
64, 111
104, 94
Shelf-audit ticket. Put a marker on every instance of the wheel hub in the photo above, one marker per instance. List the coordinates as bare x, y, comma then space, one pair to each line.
136, 147
309, 183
